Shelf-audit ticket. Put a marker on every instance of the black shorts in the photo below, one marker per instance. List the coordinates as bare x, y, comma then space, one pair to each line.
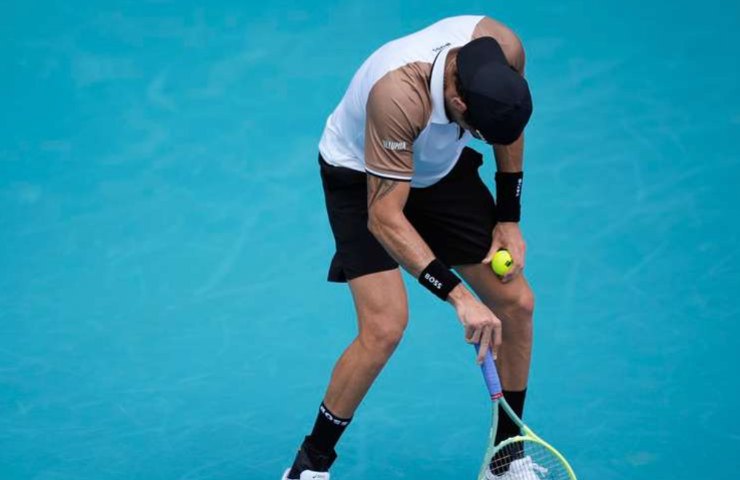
455, 217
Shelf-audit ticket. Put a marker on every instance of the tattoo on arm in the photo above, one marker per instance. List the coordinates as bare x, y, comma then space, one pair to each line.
378, 188
394, 231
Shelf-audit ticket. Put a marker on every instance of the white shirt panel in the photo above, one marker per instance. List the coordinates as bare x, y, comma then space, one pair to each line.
439, 144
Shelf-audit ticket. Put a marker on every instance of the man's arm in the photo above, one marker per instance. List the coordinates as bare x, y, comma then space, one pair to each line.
509, 159
387, 222
506, 233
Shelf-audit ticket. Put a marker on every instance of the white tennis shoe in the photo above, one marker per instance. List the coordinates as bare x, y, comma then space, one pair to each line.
521, 469
309, 475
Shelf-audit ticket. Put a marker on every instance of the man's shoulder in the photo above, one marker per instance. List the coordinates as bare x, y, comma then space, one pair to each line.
403, 93
510, 42
411, 79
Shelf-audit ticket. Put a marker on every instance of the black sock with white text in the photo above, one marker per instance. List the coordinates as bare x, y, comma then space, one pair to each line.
507, 429
327, 429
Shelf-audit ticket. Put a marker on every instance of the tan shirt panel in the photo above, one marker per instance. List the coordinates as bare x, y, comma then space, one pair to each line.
510, 43
398, 109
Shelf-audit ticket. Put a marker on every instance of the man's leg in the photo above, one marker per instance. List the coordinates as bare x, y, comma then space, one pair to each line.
513, 303
382, 314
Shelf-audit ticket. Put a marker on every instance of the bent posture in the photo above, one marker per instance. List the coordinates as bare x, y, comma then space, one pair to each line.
401, 187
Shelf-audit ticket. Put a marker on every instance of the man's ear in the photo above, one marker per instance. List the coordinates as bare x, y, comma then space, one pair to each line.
457, 103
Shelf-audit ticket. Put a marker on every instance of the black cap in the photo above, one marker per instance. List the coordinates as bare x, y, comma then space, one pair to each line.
497, 96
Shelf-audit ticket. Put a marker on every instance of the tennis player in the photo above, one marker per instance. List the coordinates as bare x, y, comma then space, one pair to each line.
402, 188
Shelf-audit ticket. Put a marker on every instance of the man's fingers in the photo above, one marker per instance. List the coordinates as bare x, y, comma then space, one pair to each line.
475, 337
497, 337
518, 258
469, 334
520, 261
520, 265
511, 275
491, 253
495, 246
485, 344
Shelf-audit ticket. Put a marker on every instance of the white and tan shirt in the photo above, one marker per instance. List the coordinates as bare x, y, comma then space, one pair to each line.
391, 122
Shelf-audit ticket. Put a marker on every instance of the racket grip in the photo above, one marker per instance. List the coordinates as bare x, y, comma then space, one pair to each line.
490, 374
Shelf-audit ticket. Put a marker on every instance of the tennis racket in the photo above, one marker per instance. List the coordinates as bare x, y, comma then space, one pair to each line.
524, 457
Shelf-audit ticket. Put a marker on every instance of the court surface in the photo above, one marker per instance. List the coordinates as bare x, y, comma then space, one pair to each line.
164, 244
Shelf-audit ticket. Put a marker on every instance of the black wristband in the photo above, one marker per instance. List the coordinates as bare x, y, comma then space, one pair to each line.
439, 279
508, 196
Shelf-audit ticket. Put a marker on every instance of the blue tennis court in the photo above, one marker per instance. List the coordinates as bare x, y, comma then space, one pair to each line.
164, 244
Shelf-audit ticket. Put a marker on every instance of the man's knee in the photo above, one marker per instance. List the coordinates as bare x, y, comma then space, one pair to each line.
523, 305
382, 331
519, 310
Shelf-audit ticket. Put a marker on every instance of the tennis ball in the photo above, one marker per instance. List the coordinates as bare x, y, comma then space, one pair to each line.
502, 262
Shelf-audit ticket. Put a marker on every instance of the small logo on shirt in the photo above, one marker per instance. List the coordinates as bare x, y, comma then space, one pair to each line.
441, 47
391, 145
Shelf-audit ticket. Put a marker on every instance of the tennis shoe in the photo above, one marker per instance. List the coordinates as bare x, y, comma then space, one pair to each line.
308, 475
313, 463
521, 469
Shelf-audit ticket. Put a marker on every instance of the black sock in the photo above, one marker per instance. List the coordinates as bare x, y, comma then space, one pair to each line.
506, 429
317, 452
506, 426
327, 430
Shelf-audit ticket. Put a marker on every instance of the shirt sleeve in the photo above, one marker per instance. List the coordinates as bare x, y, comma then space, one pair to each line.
394, 120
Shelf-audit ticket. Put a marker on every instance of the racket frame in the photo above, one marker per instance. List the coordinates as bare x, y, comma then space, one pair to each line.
490, 374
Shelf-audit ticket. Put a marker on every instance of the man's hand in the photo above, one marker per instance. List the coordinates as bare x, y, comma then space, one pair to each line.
481, 325
508, 235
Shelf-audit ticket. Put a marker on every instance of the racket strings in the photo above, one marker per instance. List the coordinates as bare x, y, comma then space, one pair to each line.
527, 460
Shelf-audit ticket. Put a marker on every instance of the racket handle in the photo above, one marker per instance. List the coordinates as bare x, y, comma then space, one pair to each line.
490, 374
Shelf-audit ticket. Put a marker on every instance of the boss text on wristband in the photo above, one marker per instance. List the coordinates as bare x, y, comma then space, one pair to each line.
439, 279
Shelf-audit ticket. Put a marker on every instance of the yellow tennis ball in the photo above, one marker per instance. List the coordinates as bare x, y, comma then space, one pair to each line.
502, 262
